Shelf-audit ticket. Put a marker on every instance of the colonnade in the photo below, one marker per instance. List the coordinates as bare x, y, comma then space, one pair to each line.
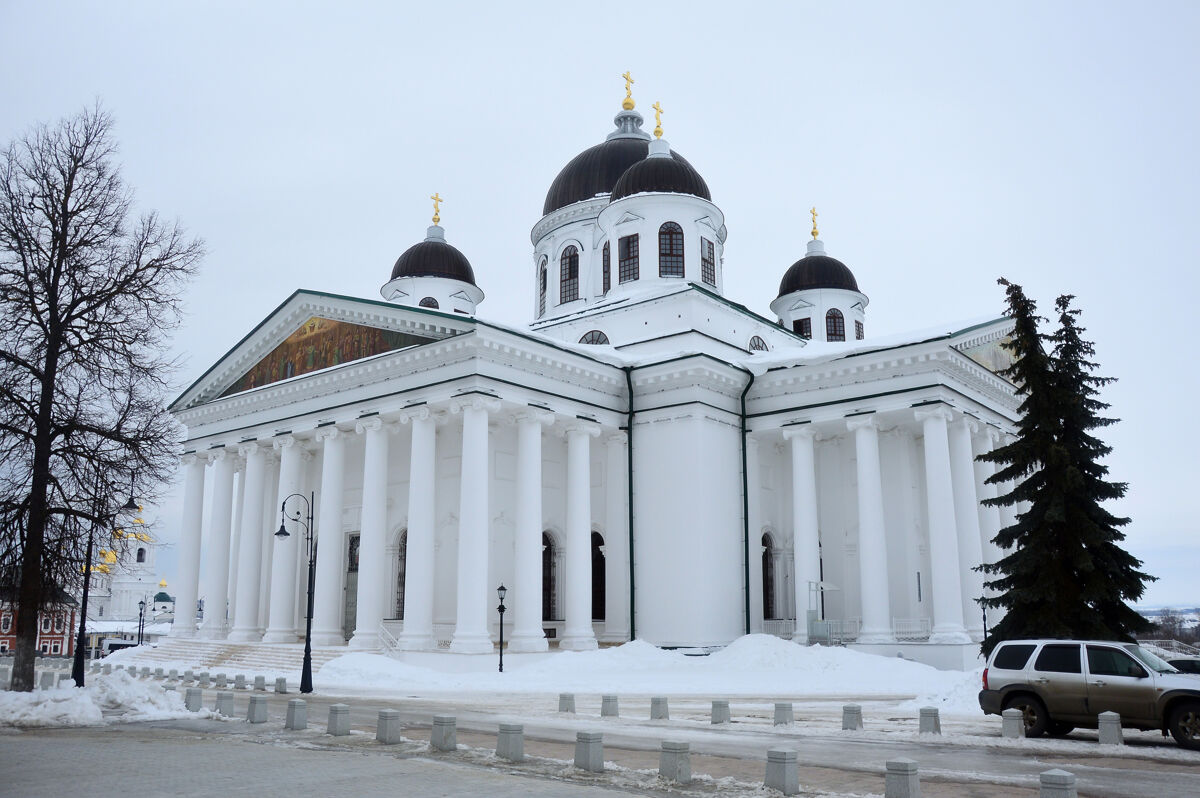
242, 526
960, 530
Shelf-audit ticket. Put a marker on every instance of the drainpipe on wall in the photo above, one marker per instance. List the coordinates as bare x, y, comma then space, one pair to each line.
745, 502
629, 498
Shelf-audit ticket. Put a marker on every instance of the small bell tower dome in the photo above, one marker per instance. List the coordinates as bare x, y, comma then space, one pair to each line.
819, 297
433, 274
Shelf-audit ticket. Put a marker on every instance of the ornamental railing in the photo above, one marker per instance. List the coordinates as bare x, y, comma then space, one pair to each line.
910, 628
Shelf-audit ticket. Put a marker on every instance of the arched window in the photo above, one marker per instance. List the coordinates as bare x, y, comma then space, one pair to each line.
141, 555
597, 577
548, 555
670, 250
594, 337
835, 325
568, 273
401, 562
541, 278
768, 578
429, 302
757, 344
627, 258
606, 261
708, 262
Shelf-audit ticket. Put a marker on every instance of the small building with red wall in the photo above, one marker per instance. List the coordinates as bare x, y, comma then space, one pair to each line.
58, 621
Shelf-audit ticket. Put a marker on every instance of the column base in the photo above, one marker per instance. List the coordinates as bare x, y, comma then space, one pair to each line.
328, 638
976, 634
245, 636
417, 642
182, 631
365, 641
949, 636
471, 644
280, 636
213, 632
522, 643
578, 643
875, 637
800, 638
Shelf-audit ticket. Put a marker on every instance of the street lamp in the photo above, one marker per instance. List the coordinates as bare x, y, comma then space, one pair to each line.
501, 591
81, 641
141, 619
310, 542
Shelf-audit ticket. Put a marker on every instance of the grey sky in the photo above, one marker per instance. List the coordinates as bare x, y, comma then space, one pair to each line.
944, 145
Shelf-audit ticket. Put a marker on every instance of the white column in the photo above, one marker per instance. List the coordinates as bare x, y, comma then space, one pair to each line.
1008, 513
281, 627
471, 634
525, 592
754, 524
419, 555
577, 632
616, 546
327, 597
235, 542
216, 577
189, 547
966, 519
245, 621
372, 543
872, 539
806, 546
268, 523
943, 535
989, 516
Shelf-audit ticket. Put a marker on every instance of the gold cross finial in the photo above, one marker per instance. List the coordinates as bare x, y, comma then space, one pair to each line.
658, 112
813, 211
628, 103
437, 201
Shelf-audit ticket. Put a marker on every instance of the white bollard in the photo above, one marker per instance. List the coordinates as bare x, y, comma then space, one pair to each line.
46, 680
158, 673
257, 711
260, 683
901, 779
387, 729
589, 751
339, 720
239, 682
566, 702
1013, 723
281, 685
1057, 784
608, 707
510, 743
221, 682
931, 722
297, 715
106, 668
224, 704
193, 698
720, 711
783, 773
145, 673
783, 714
443, 736
675, 761
659, 710
1110, 729
173, 674
852, 717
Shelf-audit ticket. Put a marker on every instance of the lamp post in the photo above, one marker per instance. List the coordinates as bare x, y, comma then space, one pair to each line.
501, 591
141, 619
81, 641
310, 543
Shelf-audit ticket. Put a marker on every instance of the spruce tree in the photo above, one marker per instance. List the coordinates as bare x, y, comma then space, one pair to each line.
1065, 574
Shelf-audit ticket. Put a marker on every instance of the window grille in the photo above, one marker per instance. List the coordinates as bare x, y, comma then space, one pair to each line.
627, 258
594, 337
568, 271
802, 327
541, 278
858, 330
670, 250
757, 344
835, 325
708, 262
429, 302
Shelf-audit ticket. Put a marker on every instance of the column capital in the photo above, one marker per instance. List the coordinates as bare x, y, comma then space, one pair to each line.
244, 450
215, 456
868, 421
418, 413
488, 404
617, 438
188, 459
283, 442
326, 433
805, 432
534, 415
972, 424
944, 413
371, 424
589, 428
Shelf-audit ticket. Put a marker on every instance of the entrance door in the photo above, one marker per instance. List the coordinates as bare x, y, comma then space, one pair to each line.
597, 577
351, 603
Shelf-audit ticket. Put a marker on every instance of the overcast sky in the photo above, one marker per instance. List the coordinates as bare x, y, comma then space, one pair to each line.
943, 144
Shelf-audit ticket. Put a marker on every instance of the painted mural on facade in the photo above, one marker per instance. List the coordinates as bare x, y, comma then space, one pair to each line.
318, 344
993, 355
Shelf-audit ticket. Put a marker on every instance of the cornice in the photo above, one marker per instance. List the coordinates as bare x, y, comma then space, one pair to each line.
578, 211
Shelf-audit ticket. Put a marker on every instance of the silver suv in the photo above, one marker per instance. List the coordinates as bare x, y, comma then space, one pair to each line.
1061, 684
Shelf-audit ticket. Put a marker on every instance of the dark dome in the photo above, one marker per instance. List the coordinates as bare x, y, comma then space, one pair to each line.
161, 597
675, 176
434, 258
596, 171
817, 271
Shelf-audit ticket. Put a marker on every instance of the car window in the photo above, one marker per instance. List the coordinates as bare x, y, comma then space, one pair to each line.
1104, 661
1147, 658
1186, 665
1013, 656
1059, 659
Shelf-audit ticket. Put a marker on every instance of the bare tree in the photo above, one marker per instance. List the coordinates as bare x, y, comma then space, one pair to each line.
88, 293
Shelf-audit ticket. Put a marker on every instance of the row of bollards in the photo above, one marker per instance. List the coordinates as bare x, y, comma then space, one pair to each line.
202, 679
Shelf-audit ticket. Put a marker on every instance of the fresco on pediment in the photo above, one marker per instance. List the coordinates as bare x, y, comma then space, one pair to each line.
318, 344
993, 356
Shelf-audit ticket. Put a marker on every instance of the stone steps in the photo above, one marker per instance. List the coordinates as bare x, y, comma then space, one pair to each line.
231, 658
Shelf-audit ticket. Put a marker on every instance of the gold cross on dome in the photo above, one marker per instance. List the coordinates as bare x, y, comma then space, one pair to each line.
658, 112
628, 103
437, 201
813, 211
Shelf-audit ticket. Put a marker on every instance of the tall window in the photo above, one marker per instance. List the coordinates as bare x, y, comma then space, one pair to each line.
708, 262
541, 278
606, 259
627, 258
568, 274
802, 327
401, 567
858, 330
835, 325
141, 555
597, 577
768, 578
429, 302
670, 250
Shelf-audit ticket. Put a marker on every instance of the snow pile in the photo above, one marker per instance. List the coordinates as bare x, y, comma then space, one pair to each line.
117, 695
957, 695
377, 672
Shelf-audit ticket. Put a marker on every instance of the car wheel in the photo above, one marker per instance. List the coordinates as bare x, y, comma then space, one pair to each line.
1036, 719
1059, 729
1185, 725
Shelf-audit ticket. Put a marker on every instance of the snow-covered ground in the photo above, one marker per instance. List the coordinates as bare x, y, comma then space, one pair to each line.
108, 698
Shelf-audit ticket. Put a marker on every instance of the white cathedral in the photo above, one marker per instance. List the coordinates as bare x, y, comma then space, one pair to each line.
644, 460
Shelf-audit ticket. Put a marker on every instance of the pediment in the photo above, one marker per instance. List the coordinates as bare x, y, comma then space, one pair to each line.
628, 217
312, 332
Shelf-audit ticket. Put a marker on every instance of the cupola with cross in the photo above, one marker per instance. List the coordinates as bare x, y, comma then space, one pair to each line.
433, 274
819, 297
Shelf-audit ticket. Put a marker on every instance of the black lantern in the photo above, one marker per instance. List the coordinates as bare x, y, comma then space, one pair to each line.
310, 541
501, 591
141, 620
